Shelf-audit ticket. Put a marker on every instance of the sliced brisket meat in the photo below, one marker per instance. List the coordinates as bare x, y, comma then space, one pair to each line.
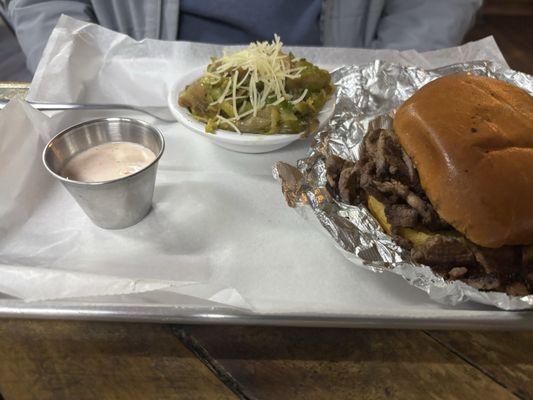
401, 241
401, 215
444, 251
391, 187
411, 173
457, 272
517, 289
502, 261
349, 188
368, 150
484, 282
386, 172
428, 216
334, 167
390, 160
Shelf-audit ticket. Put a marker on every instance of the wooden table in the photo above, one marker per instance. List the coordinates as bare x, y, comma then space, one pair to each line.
93, 360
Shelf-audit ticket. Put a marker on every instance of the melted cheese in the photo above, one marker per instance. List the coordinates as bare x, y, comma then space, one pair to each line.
265, 64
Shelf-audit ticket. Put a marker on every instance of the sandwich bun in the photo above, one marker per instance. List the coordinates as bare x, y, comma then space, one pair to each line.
471, 140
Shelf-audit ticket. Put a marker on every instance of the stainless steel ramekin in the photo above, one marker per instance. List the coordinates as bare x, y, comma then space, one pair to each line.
117, 203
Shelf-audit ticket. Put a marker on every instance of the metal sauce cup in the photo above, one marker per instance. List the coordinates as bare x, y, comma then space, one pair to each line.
117, 203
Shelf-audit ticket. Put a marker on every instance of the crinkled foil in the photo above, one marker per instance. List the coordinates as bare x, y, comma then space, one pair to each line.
367, 97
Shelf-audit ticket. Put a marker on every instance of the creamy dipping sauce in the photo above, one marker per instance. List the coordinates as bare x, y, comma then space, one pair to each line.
107, 161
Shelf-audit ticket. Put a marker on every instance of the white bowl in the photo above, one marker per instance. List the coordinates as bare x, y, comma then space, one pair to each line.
241, 142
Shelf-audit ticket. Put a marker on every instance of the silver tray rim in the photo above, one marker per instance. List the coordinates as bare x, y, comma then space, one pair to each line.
156, 313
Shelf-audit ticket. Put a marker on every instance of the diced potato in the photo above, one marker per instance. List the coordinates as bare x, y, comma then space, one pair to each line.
211, 125
194, 97
260, 123
311, 78
202, 98
227, 108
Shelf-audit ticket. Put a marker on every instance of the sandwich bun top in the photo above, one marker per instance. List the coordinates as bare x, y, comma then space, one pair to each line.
471, 139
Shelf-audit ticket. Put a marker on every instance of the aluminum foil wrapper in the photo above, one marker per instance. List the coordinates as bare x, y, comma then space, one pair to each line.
367, 97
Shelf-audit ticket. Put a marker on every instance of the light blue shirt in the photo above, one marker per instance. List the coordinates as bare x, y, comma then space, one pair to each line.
393, 24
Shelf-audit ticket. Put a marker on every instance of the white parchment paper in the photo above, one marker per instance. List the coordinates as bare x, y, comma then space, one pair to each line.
219, 232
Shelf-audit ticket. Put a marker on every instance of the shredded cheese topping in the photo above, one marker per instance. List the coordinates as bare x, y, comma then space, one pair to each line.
267, 67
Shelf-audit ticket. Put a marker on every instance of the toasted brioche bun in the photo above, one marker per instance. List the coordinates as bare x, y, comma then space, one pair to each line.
471, 139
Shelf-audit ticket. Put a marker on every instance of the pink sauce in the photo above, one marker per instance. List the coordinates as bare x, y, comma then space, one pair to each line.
108, 161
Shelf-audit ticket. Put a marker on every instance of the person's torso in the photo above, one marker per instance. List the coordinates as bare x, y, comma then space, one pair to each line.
328, 22
237, 21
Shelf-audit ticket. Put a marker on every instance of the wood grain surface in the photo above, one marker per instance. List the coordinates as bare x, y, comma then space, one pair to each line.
291, 363
504, 356
92, 360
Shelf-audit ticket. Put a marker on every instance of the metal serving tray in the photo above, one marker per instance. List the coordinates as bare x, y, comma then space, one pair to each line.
414, 311
431, 319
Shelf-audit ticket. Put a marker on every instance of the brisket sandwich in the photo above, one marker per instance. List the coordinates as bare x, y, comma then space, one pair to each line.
452, 182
